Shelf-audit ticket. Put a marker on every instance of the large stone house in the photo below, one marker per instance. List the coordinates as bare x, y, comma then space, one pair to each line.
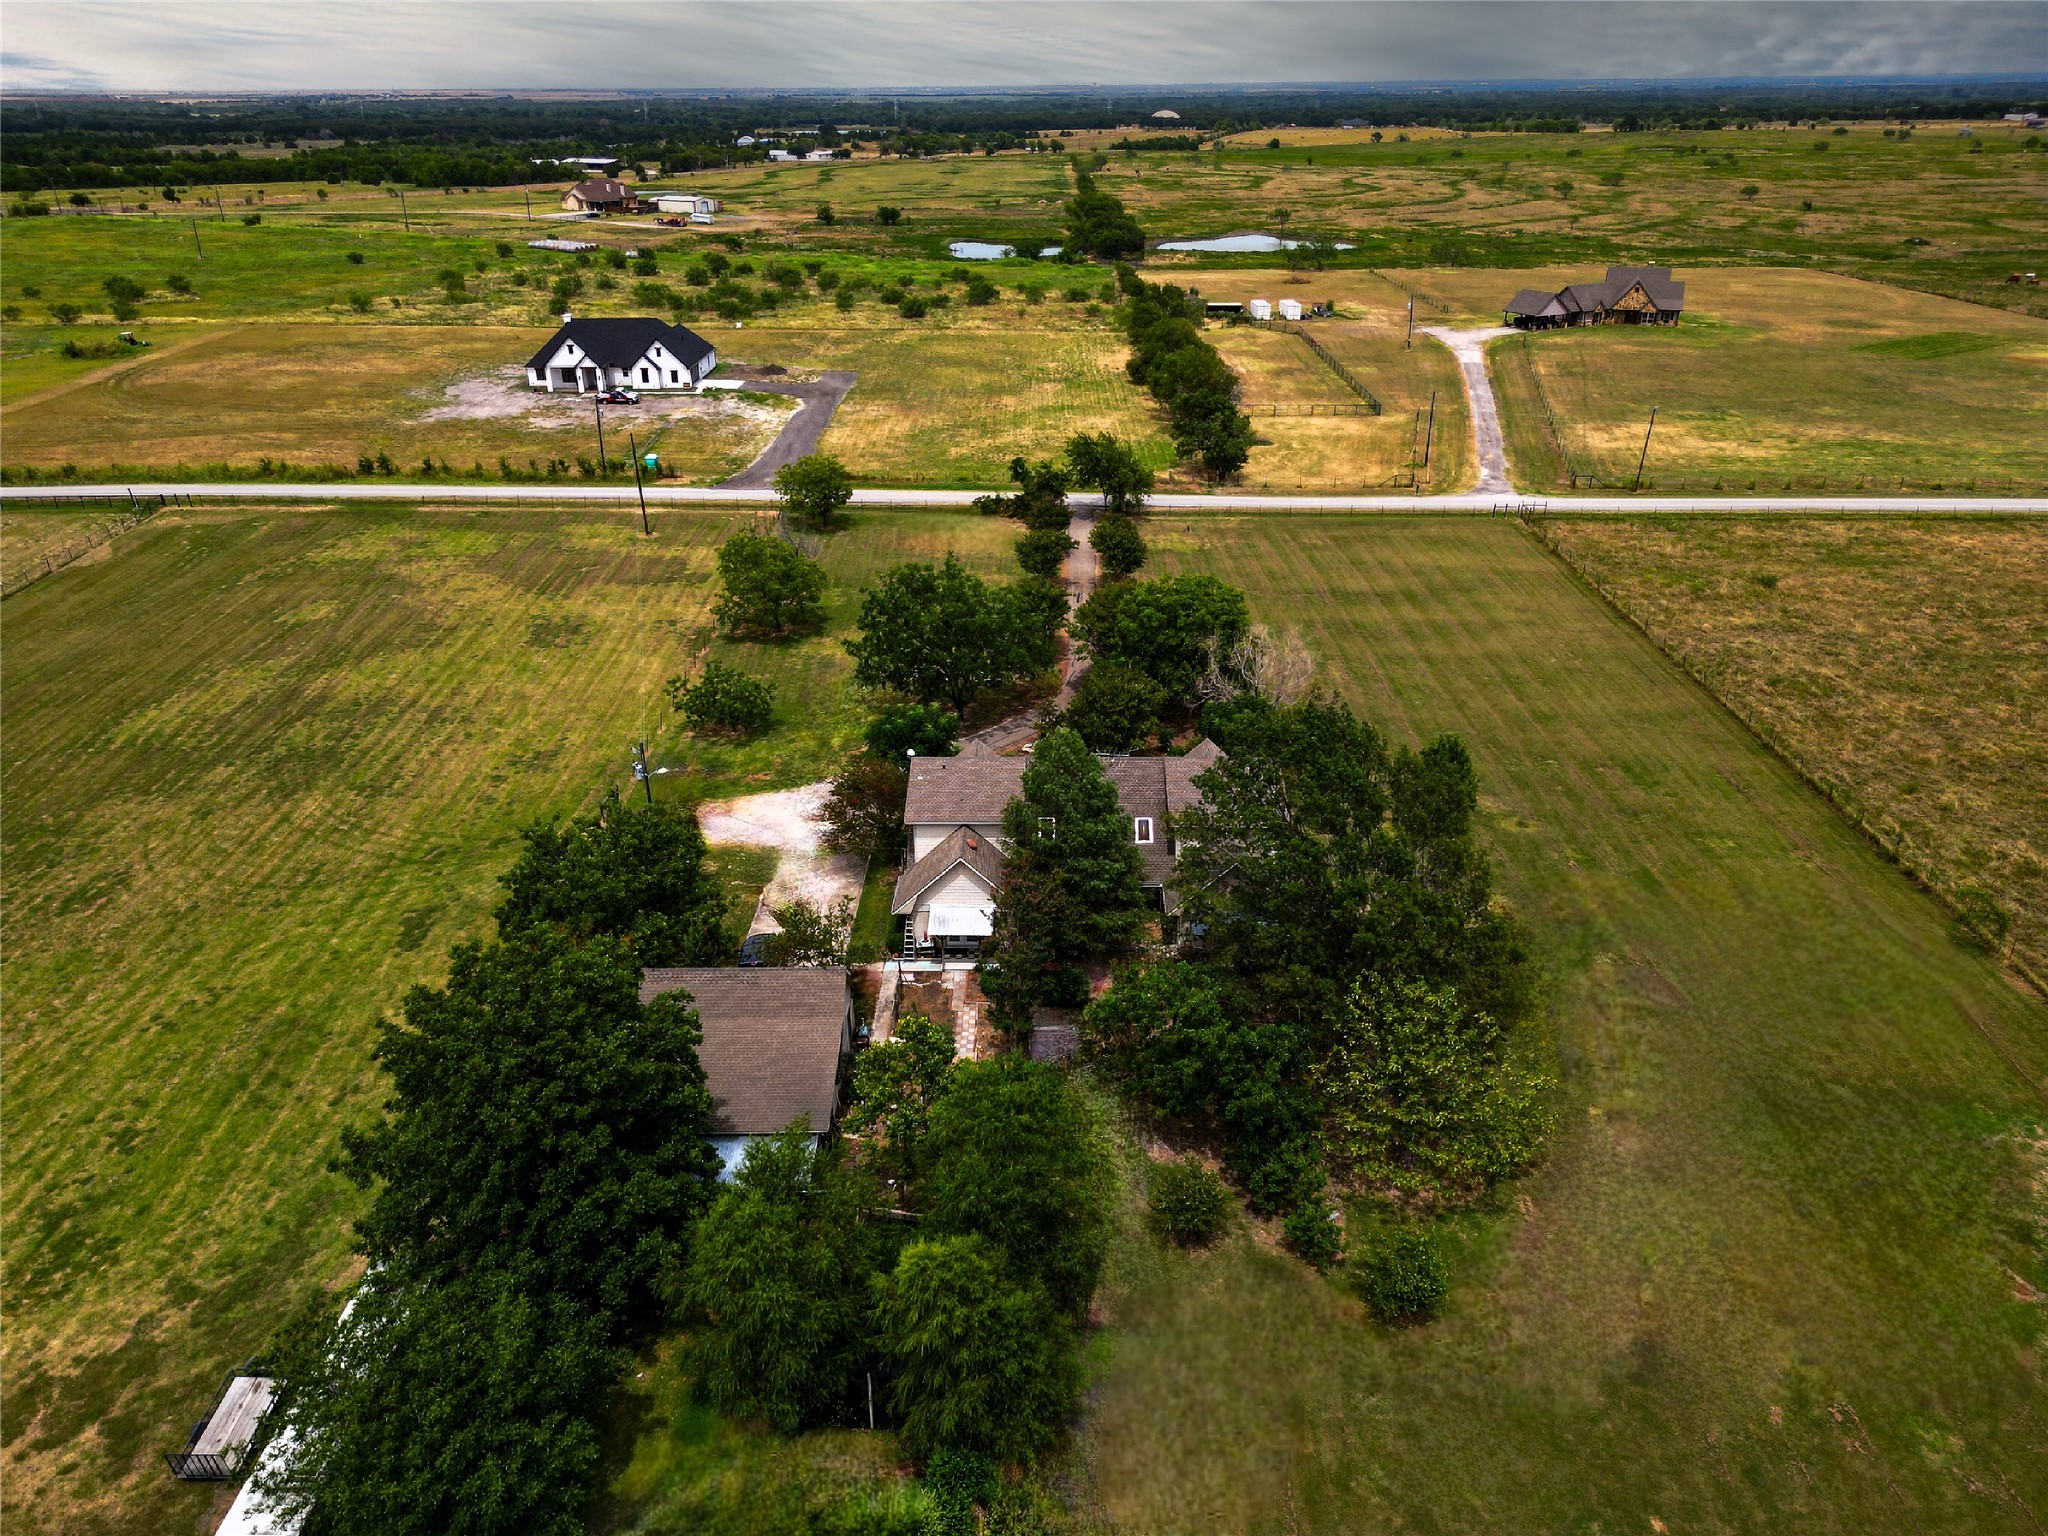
632, 353
776, 1045
1628, 296
946, 895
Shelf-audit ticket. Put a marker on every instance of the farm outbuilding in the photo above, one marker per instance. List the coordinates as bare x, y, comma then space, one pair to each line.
1261, 309
1627, 296
775, 1047
626, 353
683, 202
1290, 309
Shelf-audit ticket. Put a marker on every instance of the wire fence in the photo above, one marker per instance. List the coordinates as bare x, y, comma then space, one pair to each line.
51, 561
1295, 408
1350, 380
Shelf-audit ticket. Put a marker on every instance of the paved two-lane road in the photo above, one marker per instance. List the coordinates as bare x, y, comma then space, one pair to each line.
881, 496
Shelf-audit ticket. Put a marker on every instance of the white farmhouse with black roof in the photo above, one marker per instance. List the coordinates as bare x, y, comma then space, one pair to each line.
635, 353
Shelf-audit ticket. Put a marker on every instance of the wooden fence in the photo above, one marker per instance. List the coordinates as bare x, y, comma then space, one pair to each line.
1351, 380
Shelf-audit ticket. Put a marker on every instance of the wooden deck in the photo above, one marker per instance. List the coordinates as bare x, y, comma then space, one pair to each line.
216, 1449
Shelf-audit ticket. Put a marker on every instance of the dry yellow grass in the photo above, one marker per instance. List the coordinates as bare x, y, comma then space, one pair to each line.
1902, 665
327, 394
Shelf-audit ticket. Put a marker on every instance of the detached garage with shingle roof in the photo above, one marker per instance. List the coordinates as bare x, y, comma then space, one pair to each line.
776, 1043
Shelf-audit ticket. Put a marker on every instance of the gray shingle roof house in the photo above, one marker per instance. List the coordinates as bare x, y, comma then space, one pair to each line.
1626, 296
776, 1042
635, 352
954, 813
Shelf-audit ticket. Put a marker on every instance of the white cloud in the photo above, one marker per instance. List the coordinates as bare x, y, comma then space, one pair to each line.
180, 45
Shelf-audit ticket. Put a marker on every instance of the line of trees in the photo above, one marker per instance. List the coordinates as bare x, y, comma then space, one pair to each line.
1185, 374
537, 1170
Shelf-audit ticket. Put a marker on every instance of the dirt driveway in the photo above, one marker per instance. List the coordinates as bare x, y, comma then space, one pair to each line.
1469, 348
790, 822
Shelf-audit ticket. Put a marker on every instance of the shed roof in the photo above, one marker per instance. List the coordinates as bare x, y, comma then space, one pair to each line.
772, 1041
622, 342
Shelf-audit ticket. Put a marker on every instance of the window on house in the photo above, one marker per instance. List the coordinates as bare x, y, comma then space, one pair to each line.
645, 376
1141, 829
674, 377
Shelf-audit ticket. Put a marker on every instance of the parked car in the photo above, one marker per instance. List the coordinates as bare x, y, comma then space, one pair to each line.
755, 950
619, 397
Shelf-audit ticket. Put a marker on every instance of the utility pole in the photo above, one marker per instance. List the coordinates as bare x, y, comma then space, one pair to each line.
402, 211
1410, 342
195, 240
1645, 456
220, 205
1429, 438
637, 486
527, 193
603, 467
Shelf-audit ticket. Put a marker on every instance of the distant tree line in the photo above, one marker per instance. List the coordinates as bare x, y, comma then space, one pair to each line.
59, 144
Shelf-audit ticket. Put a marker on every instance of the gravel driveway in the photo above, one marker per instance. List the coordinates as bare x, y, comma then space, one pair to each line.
1469, 348
789, 821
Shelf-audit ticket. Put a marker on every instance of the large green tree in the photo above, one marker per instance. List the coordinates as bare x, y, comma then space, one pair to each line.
813, 489
1118, 546
771, 588
543, 1123
1167, 629
1115, 708
1420, 1094
1104, 462
624, 871
466, 1407
983, 1363
1014, 1159
778, 1282
941, 634
896, 1083
1040, 500
1070, 875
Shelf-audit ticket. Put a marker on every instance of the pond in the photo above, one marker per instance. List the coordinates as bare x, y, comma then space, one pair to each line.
983, 250
1238, 243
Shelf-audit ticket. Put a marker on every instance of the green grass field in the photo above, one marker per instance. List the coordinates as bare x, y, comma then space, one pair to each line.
1899, 663
263, 767
1770, 1276
1777, 378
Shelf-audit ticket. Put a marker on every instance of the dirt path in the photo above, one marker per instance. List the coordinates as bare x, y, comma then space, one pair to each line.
1469, 348
788, 821
1008, 735
801, 434
143, 355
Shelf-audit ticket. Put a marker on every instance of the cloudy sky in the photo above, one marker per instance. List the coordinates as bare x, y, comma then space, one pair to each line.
257, 45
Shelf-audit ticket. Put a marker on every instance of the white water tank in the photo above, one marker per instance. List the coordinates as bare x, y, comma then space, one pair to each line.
1290, 309
1261, 309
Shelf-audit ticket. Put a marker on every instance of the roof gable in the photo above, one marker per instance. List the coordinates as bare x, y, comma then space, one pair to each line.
959, 847
622, 342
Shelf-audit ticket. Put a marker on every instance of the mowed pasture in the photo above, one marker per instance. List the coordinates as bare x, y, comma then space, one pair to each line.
953, 405
263, 767
1902, 664
1347, 450
1777, 378
1779, 1268
324, 395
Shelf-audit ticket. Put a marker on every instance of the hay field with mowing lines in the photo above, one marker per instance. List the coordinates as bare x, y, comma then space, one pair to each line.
1770, 1274
317, 395
1901, 664
263, 767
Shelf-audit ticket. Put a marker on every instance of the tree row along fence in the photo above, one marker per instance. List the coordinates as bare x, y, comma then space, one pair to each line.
1350, 380
51, 561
